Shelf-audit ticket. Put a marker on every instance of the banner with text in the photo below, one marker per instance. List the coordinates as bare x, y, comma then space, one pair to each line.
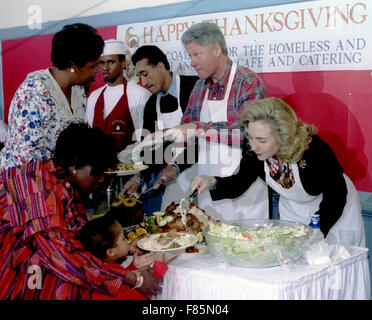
315, 35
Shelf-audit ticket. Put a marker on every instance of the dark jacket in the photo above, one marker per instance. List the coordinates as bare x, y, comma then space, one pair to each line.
187, 83
320, 173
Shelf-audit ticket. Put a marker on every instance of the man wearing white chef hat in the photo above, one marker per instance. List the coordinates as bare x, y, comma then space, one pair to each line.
117, 107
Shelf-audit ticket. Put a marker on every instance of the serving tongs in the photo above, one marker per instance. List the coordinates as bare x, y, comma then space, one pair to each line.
137, 195
185, 205
185, 202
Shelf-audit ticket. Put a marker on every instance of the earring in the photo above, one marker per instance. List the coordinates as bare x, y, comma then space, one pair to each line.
74, 171
72, 70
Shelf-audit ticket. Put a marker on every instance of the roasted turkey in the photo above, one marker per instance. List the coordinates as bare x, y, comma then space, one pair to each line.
196, 219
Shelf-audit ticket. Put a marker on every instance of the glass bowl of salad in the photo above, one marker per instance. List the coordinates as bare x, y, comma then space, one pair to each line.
257, 243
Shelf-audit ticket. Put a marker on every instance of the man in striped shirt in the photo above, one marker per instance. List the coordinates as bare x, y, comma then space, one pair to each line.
215, 105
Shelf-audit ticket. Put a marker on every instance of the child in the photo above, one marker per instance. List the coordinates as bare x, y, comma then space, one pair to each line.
104, 237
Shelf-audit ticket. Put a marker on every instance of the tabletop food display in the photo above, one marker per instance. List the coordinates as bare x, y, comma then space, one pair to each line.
254, 259
243, 259
169, 223
186, 227
248, 243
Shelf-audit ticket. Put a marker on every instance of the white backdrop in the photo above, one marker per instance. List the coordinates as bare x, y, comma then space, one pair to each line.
307, 36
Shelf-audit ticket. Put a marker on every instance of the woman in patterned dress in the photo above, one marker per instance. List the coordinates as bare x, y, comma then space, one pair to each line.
48, 100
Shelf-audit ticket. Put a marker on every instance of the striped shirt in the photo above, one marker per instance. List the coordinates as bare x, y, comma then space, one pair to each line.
40, 257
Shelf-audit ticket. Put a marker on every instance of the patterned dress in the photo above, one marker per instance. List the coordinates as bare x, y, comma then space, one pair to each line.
40, 257
39, 111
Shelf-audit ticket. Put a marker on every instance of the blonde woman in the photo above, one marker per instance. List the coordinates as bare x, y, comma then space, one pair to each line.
287, 154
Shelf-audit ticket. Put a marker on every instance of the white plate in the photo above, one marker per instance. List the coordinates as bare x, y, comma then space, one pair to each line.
153, 142
128, 172
144, 243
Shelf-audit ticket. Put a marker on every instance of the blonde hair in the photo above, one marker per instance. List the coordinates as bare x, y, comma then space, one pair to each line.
293, 135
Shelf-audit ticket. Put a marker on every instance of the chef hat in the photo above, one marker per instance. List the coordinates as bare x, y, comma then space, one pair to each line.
113, 46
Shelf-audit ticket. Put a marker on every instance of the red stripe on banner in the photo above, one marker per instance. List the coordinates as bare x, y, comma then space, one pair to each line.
339, 104
20, 57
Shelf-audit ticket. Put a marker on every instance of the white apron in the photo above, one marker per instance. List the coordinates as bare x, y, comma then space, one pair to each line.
295, 204
170, 119
221, 160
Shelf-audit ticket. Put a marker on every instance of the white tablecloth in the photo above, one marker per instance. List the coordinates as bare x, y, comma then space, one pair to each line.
202, 276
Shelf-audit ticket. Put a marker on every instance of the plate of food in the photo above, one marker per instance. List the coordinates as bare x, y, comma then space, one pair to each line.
125, 169
168, 241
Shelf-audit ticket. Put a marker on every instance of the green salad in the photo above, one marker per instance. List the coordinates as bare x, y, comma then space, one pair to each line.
258, 246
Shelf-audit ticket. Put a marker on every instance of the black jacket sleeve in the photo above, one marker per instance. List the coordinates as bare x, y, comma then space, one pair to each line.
149, 115
187, 85
190, 155
321, 173
185, 159
234, 186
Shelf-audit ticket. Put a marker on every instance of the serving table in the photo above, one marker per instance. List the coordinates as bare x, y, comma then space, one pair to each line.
204, 277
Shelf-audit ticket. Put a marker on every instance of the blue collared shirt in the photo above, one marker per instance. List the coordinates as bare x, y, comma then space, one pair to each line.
172, 89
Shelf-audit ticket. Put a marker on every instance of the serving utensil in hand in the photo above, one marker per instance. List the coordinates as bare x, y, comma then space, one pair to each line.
137, 195
185, 205
185, 202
